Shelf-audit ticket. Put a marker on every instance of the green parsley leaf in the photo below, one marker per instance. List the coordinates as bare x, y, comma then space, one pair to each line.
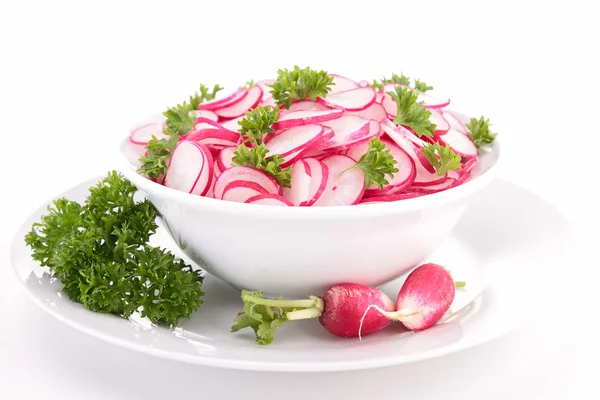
422, 86
250, 84
479, 131
300, 84
180, 120
376, 163
258, 122
402, 79
99, 252
257, 157
410, 113
443, 159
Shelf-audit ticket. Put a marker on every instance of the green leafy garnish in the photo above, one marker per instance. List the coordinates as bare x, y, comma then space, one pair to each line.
376, 163
300, 84
443, 159
411, 113
99, 252
264, 316
402, 79
257, 157
422, 86
258, 122
479, 131
250, 84
180, 120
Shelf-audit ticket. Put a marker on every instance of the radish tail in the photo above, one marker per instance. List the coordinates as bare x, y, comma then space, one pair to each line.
398, 315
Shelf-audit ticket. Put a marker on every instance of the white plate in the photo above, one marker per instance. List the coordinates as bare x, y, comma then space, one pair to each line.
506, 237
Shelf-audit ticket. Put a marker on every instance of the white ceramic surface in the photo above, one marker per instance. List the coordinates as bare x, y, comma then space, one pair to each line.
299, 250
505, 241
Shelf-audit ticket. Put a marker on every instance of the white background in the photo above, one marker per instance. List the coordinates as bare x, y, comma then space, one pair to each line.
74, 76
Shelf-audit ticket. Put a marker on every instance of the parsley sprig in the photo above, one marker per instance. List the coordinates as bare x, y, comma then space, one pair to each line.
479, 131
180, 120
411, 113
99, 251
300, 84
257, 123
443, 159
376, 163
403, 80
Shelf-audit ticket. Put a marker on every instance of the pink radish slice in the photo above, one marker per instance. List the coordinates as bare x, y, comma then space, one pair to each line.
206, 123
378, 97
142, 134
206, 114
454, 122
306, 105
300, 118
294, 139
350, 100
463, 178
364, 84
375, 112
432, 102
349, 130
357, 151
220, 137
403, 178
245, 174
446, 184
318, 182
469, 164
240, 191
248, 102
460, 143
409, 143
190, 169
230, 100
216, 173
300, 185
269, 200
232, 124
427, 293
225, 156
390, 197
437, 118
389, 104
268, 102
345, 188
341, 84
266, 90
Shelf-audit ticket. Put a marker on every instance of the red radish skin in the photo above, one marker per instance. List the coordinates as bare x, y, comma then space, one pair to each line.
437, 118
375, 112
432, 102
246, 174
240, 191
300, 183
427, 293
294, 139
221, 137
409, 143
207, 114
459, 142
341, 84
232, 124
190, 169
269, 200
225, 156
301, 117
349, 131
346, 303
345, 185
350, 100
233, 98
250, 101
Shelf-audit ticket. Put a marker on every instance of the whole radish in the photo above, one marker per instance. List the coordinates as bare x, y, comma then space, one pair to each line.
425, 296
343, 311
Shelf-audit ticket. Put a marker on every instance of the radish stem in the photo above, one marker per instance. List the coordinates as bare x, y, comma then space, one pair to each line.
398, 315
460, 283
307, 313
312, 301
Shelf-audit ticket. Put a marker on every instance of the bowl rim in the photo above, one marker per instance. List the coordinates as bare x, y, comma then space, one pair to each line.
437, 199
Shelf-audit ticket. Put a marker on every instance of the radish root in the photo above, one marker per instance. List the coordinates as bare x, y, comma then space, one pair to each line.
399, 315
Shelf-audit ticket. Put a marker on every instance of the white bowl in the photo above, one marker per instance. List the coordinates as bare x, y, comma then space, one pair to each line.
298, 251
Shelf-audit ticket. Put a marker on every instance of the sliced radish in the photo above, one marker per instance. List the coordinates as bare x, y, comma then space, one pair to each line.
232, 124
341, 84
142, 134
407, 171
389, 104
245, 174
318, 181
300, 118
375, 112
269, 200
429, 101
190, 169
230, 100
216, 173
364, 83
345, 185
390, 197
250, 101
294, 139
409, 143
349, 130
266, 89
459, 142
357, 151
437, 118
206, 114
300, 184
378, 97
469, 164
434, 188
306, 105
464, 177
454, 122
350, 100
240, 191
219, 137
225, 156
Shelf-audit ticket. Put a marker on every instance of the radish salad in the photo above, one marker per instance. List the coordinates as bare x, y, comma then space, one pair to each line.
312, 138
